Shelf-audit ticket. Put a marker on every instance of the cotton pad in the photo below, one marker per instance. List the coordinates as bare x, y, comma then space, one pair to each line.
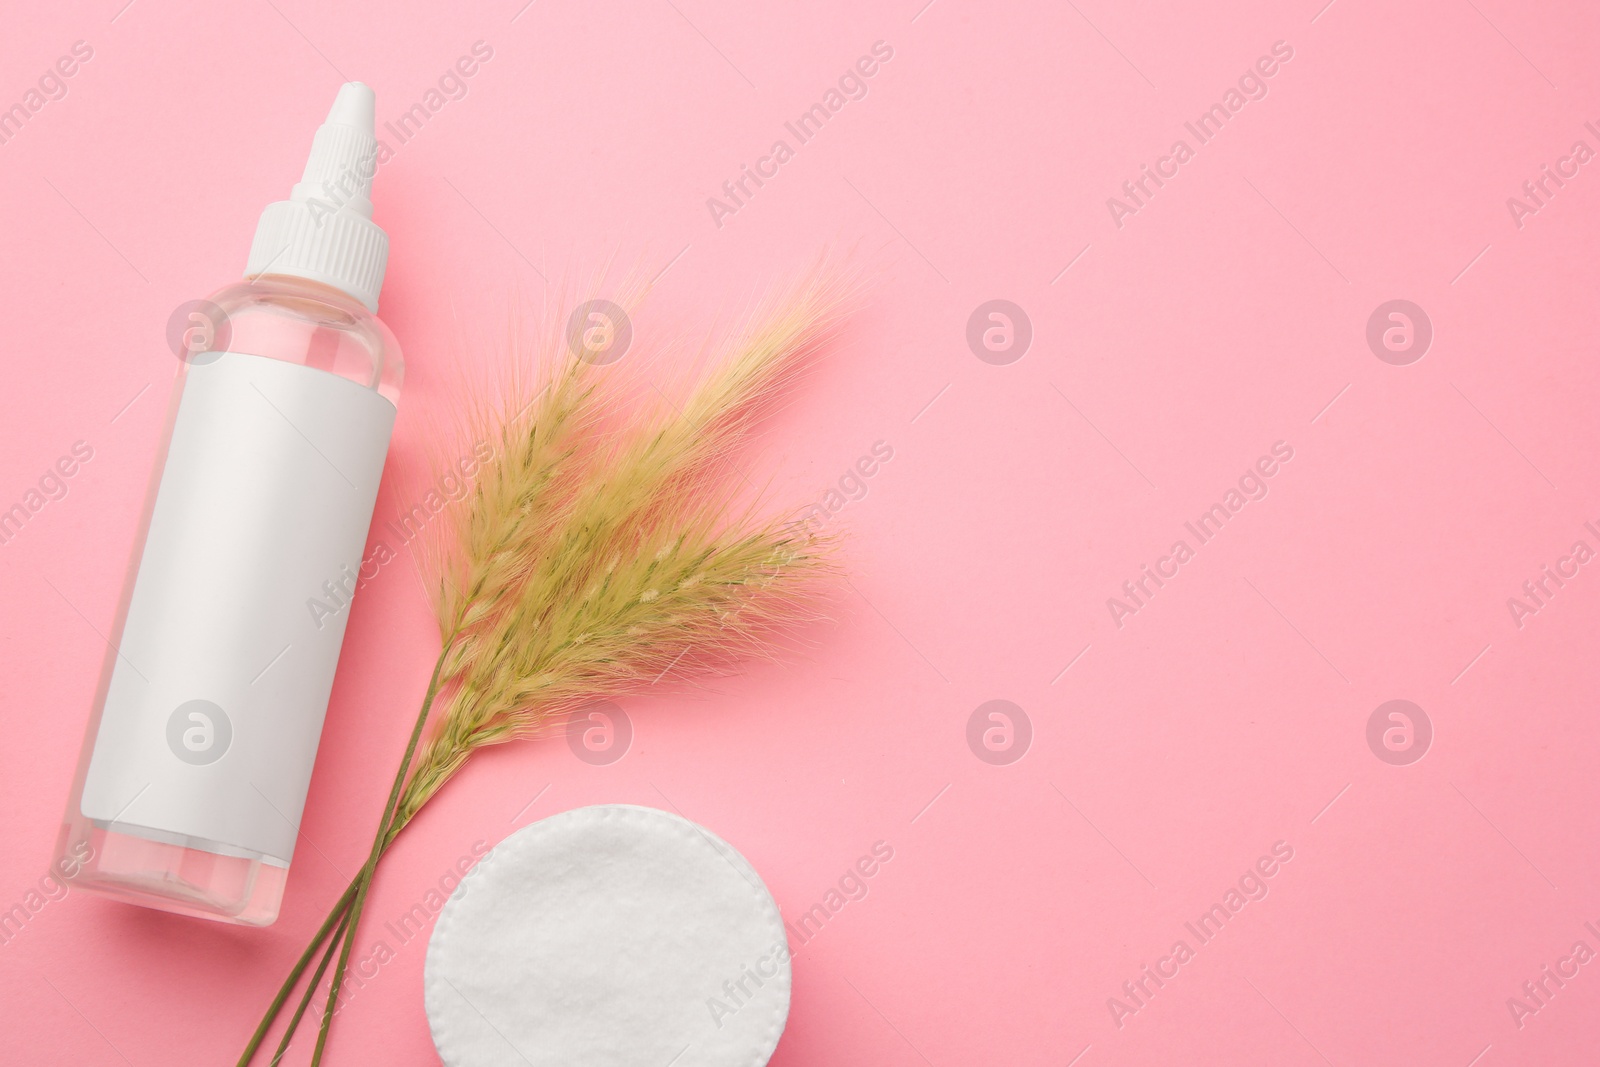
610, 936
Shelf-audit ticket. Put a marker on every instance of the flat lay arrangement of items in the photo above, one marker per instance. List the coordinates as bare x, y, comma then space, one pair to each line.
898, 534
607, 541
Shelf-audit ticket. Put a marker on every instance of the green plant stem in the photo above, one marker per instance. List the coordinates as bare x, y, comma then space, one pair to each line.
311, 991
336, 916
379, 843
341, 913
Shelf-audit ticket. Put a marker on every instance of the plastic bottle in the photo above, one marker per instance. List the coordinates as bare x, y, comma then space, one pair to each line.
206, 720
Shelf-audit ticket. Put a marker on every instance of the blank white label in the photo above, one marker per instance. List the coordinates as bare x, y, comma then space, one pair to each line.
216, 701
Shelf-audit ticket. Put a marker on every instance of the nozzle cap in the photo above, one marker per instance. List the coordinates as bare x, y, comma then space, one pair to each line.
324, 231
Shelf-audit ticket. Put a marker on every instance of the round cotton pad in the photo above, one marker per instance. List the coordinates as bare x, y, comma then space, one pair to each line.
611, 936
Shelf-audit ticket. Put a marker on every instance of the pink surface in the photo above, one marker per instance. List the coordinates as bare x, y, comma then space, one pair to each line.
1168, 754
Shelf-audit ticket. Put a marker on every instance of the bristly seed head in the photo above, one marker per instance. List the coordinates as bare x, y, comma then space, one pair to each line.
551, 571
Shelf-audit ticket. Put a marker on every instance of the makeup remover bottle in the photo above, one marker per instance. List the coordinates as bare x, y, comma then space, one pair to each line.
210, 704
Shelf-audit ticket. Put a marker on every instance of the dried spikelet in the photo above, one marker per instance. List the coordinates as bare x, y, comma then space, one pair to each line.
536, 440
585, 565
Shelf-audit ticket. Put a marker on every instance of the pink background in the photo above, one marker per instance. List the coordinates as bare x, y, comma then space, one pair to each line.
1168, 354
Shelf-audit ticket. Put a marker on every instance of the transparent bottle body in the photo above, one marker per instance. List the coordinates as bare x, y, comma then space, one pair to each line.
277, 317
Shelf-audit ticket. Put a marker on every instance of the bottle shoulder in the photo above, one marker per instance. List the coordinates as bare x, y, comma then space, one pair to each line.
309, 324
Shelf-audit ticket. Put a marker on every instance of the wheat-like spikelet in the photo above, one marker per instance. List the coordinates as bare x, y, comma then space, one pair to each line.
539, 425
697, 602
584, 567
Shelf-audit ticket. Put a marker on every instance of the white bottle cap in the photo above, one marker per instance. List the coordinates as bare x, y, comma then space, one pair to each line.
324, 231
